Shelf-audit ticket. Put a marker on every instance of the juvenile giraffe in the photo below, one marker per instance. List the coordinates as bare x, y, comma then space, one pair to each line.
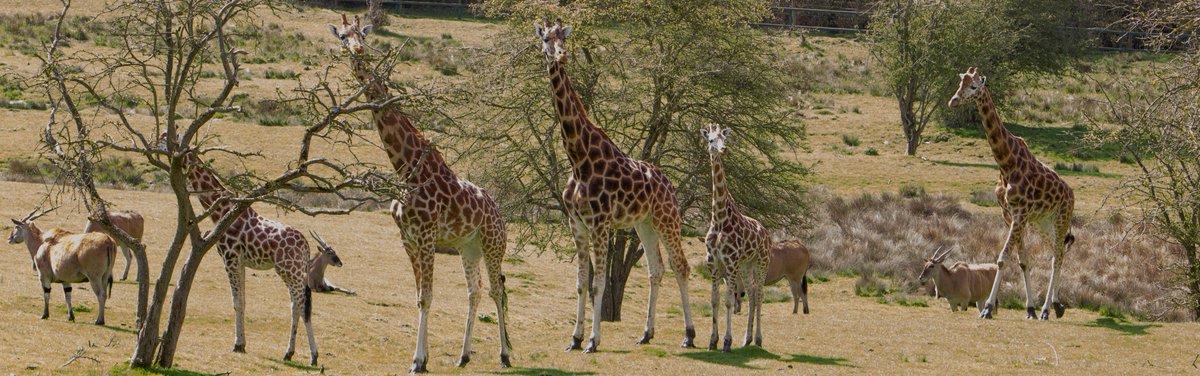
609, 190
256, 242
1029, 192
738, 250
440, 210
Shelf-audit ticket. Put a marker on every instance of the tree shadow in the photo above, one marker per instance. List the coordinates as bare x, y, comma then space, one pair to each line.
1120, 325
119, 329
1059, 142
123, 369
541, 372
741, 357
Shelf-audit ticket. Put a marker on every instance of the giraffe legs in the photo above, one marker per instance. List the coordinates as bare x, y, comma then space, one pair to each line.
599, 280
1029, 296
1015, 233
649, 239
470, 261
421, 254
583, 257
237, 283
493, 258
730, 295
301, 297
669, 233
1061, 239
716, 273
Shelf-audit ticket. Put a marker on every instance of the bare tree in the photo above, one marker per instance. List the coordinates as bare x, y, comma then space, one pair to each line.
144, 97
376, 14
1159, 129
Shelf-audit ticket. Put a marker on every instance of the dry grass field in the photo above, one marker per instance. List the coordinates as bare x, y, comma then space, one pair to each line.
374, 331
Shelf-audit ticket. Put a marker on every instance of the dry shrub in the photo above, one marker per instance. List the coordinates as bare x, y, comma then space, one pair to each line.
1114, 265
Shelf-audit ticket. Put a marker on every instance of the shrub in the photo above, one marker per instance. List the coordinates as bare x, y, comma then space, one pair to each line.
912, 190
850, 140
872, 152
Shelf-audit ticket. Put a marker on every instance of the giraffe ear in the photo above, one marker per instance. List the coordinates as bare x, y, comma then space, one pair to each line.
566, 31
538, 30
982, 80
334, 30
725, 133
704, 134
367, 29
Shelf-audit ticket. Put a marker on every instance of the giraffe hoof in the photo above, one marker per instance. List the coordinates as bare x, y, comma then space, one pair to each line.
1045, 314
462, 362
45, 316
100, 322
646, 337
575, 344
418, 367
712, 345
728, 345
239, 348
287, 357
591, 347
1030, 314
986, 312
504, 362
313, 361
1059, 310
747, 342
71, 318
689, 341
758, 341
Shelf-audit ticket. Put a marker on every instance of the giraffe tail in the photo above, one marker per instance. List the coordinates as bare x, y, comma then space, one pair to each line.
307, 303
1069, 240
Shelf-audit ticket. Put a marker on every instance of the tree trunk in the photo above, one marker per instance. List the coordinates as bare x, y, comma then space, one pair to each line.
624, 251
912, 133
1193, 279
147, 338
143, 279
170, 337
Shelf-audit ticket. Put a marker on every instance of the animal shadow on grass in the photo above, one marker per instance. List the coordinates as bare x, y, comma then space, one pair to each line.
294, 364
1121, 325
741, 357
542, 372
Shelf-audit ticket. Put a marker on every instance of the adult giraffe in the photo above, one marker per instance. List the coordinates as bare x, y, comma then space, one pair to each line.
609, 190
1028, 192
440, 209
256, 242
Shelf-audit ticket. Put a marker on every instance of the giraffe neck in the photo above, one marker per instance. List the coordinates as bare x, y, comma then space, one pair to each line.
722, 201
578, 132
207, 187
406, 148
1004, 144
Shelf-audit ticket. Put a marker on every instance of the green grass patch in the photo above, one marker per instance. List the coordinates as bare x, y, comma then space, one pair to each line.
122, 369
1055, 142
541, 372
872, 152
984, 197
656, 352
486, 318
851, 140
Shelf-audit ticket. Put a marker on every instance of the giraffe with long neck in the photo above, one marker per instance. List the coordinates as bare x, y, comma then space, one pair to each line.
259, 243
608, 190
738, 250
1029, 192
440, 210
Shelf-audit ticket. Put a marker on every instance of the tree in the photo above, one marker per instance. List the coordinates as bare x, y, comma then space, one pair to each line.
650, 74
376, 14
150, 82
922, 45
1158, 120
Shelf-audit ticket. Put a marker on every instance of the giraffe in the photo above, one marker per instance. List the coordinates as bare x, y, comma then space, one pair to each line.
609, 190
256, 242
1029, 192
440, 210
738, 249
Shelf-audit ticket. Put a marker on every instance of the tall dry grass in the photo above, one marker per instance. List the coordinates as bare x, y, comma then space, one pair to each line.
1115, 266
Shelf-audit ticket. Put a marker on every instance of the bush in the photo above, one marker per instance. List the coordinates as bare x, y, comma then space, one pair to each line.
872, 152
286, 74
912, 190
863, 236
850, 140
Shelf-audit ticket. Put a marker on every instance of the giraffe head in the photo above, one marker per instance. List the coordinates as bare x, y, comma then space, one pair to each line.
715, 136
969, 88
553, 36
933, 262
328, 255
353, 36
